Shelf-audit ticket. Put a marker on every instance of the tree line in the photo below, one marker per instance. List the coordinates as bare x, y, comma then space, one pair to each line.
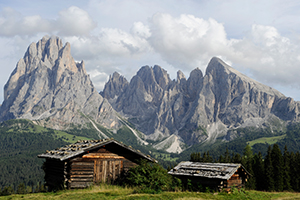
276, 171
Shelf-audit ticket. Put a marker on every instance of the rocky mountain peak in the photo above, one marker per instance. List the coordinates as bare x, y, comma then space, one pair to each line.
216, 67
161, 76
48, 84
115, 86
180, 75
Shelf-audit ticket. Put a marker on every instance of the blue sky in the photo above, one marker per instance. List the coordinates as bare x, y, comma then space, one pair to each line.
258, 38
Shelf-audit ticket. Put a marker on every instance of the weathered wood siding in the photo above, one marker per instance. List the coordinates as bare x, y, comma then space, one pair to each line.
235, 180
81, 174
98, 166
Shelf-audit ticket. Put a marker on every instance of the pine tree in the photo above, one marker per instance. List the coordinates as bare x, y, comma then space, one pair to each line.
21, 189
269, 186
277, 162
204, 157
258, 169
209, 158
247, 162
7, 190
236, 158
293, 172
227, 156
286, 170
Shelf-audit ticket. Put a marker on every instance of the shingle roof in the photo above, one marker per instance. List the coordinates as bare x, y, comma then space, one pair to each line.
207, 170
83, 146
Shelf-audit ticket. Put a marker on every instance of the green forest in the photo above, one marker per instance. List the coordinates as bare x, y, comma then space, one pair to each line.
20, 143
276, 171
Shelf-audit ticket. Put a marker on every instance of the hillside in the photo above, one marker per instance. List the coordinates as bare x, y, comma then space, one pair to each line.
20, 143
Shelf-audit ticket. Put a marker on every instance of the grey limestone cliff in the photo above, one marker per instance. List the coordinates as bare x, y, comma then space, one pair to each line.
48, 86
202, 107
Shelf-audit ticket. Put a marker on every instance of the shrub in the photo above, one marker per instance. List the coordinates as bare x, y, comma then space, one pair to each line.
150, 178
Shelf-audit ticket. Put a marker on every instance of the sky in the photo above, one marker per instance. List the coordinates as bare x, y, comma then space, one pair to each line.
259, 38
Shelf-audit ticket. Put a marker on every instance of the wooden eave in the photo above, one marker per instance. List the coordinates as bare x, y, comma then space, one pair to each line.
84, 146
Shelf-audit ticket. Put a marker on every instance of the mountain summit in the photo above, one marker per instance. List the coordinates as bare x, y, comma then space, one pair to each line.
201, 108
48, 86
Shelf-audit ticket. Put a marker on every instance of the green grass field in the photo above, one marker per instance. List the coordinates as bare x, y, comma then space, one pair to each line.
117, 192
268, 140
68, 137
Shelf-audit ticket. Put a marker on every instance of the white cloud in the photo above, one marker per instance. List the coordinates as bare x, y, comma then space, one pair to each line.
74, 21
187, 41
270, 57
117, 36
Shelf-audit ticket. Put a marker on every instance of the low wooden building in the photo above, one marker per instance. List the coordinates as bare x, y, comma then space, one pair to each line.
217, 176
86, 162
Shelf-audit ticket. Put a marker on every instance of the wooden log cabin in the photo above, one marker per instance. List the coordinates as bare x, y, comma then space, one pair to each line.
86, 162
217, 176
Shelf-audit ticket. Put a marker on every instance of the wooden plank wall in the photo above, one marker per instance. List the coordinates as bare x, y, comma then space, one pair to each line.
235, 180
100, 165
81, 174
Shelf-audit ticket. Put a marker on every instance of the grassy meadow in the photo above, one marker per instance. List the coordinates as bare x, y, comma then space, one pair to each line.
117, 192
267, 140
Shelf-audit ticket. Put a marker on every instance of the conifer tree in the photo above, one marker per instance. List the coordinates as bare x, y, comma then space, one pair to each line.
286, 170
204, 157
293, 172
209, 158
258, 169
236, 158
247, 162
277, 162
269, 181
227, 156
21, 188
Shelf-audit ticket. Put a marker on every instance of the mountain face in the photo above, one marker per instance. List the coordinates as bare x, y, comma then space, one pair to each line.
49, 87
200, 108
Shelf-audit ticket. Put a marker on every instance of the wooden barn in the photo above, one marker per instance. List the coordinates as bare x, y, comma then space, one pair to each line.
217, 176
86, 162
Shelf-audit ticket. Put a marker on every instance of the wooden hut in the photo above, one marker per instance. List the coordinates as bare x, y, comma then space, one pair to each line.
217, 176
85, 162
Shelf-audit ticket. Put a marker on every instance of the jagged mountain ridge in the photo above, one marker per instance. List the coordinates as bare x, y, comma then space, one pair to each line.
49, 87
200, 108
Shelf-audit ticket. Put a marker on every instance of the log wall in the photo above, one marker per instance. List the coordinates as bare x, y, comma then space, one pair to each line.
98, 166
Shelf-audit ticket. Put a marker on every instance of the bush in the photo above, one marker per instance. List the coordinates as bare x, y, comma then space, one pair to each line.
150, 178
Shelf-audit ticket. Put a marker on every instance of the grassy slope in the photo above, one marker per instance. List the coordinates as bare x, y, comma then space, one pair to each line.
117, 192
267, 140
